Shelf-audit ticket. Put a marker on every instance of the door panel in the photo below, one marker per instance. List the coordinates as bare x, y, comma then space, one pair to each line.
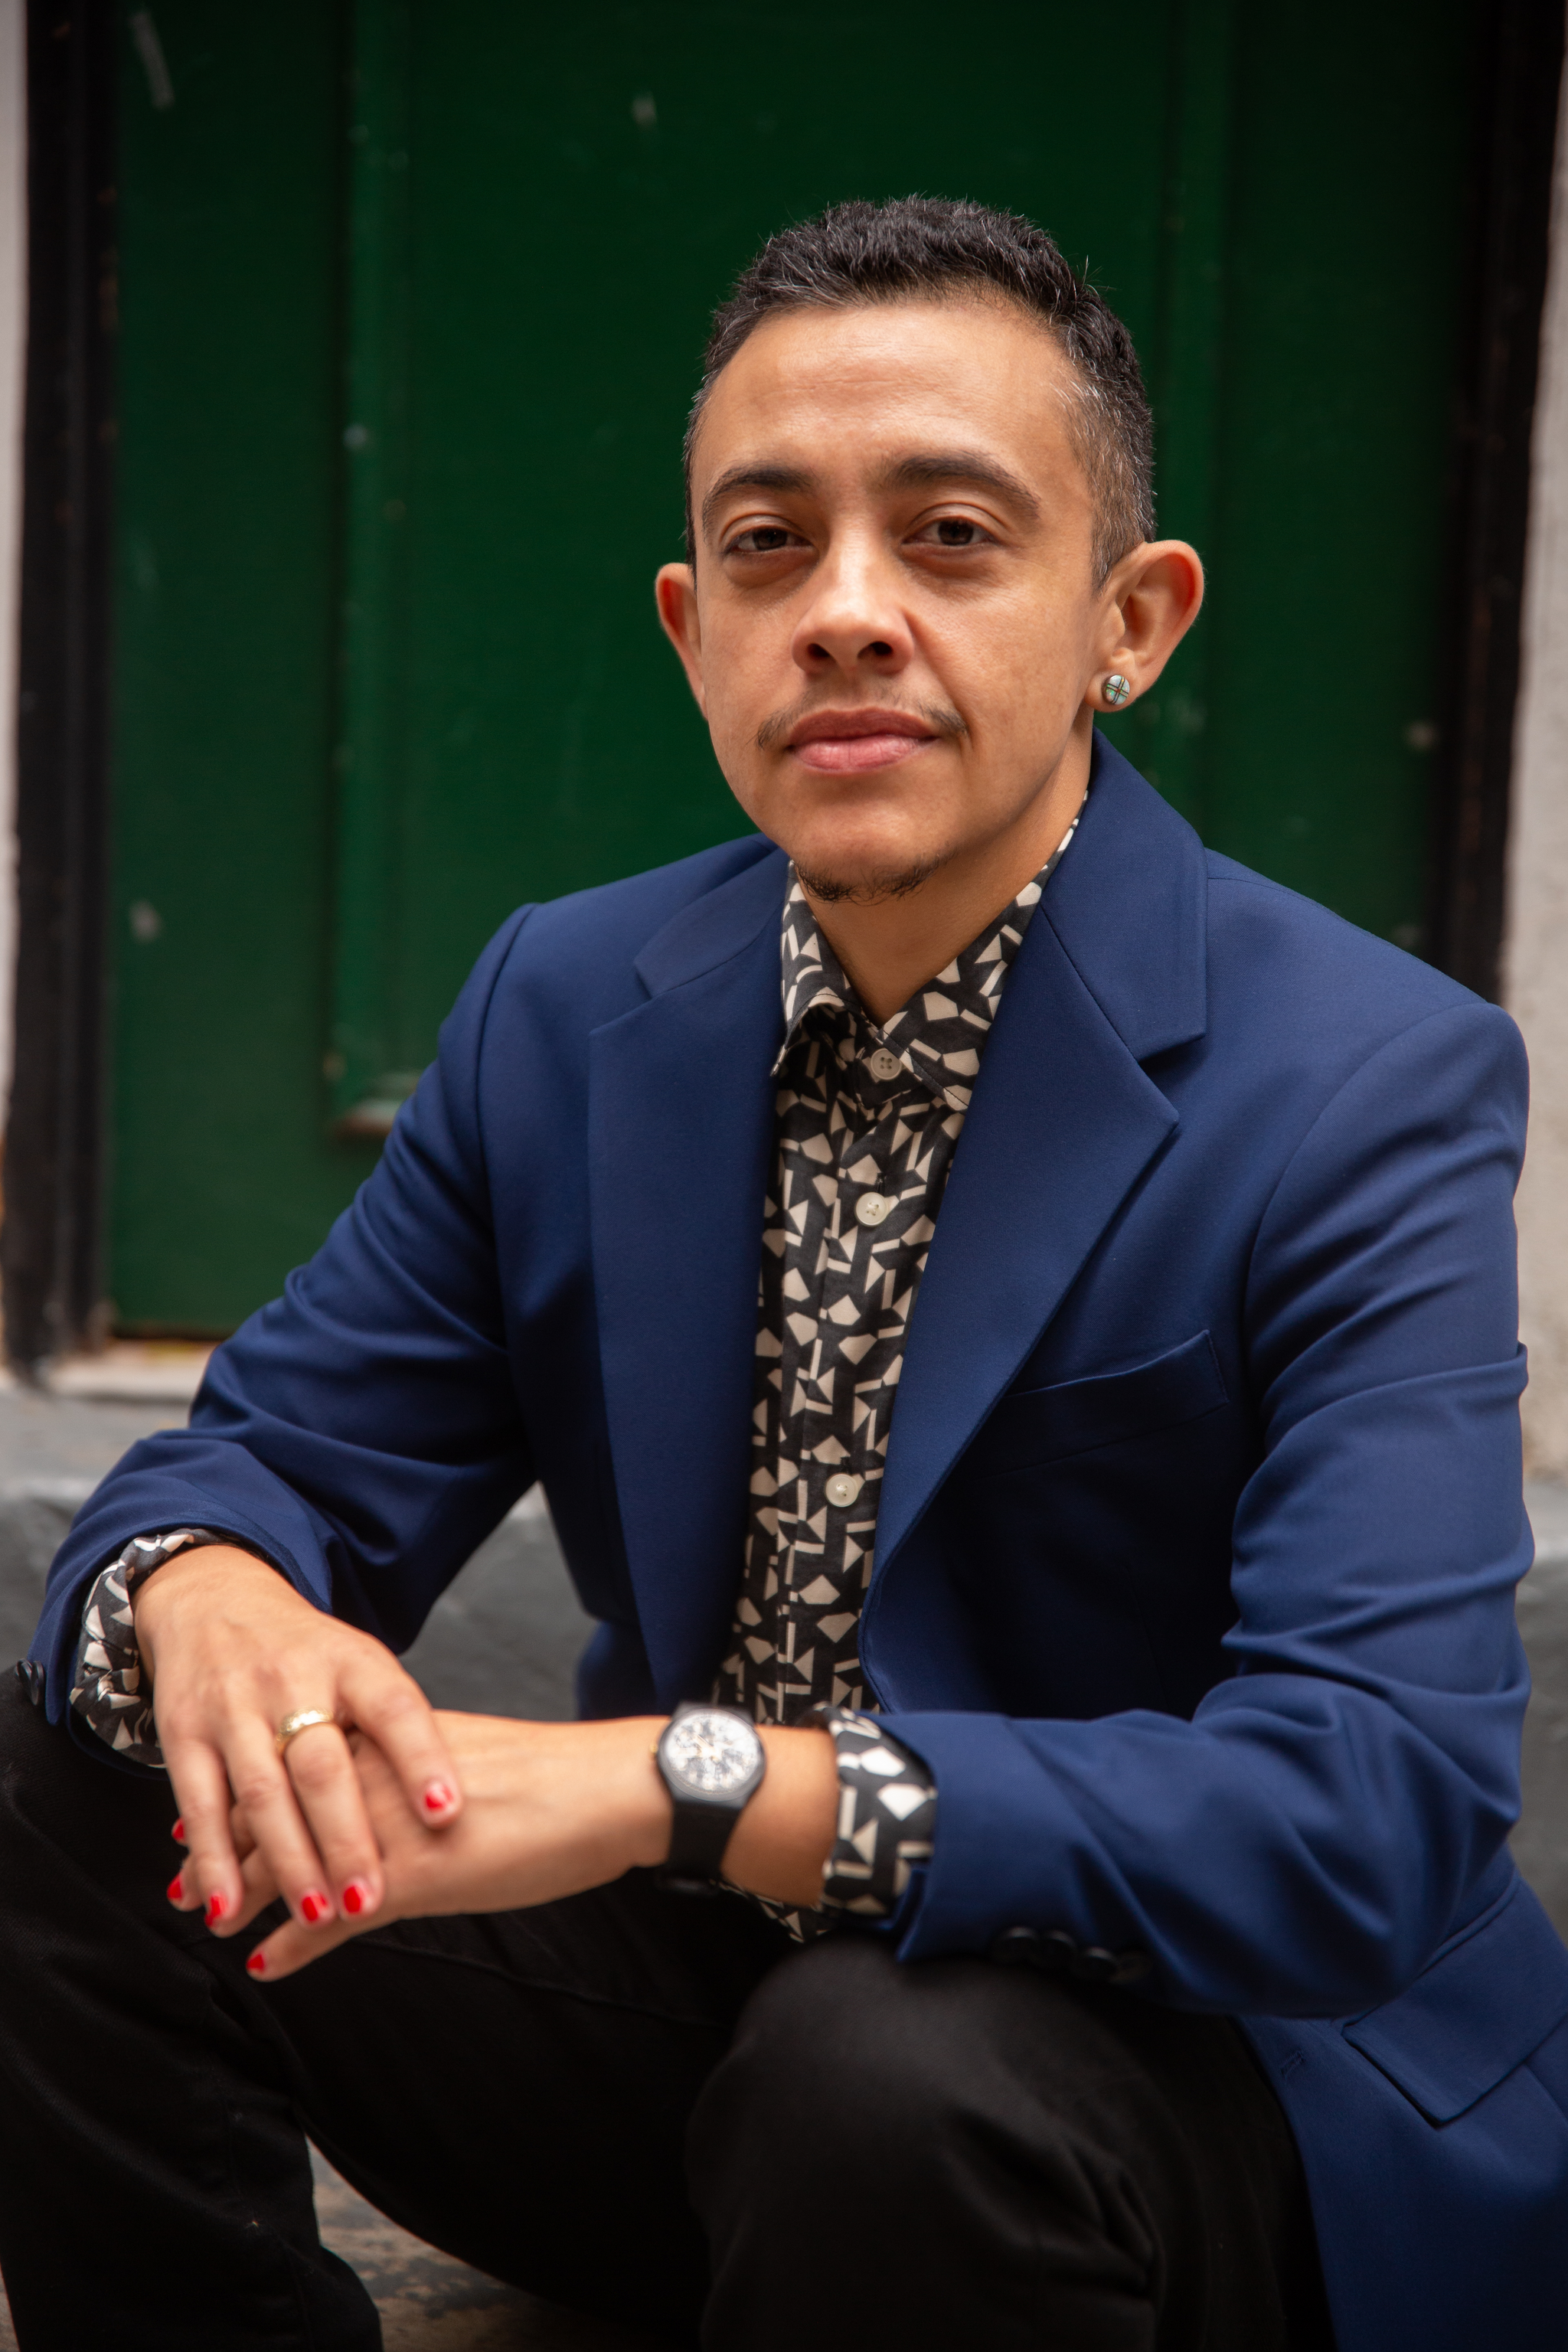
223, 1172
414, 299
1344, 263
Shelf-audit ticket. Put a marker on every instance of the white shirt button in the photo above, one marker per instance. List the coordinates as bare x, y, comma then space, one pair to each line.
842, 1489
871, 1208
883, 1064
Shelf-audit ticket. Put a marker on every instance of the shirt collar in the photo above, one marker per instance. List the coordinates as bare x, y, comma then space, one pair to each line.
938, 1035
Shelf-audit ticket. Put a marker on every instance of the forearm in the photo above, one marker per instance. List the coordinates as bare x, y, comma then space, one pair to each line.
592, 1795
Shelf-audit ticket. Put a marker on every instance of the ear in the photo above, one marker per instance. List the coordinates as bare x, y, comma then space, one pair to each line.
675, 592
1150, 602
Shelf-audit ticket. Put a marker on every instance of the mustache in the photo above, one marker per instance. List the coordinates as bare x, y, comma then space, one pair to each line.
940, 719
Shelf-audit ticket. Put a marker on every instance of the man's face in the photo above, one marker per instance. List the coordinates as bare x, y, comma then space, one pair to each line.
893, 625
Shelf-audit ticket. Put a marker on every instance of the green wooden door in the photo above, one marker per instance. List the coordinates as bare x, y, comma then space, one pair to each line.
413, 299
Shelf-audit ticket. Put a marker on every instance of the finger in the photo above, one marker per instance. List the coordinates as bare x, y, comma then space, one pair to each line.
329, 1791
261, 1889
391, 1707
290, 1948
264, 1791
210, 1871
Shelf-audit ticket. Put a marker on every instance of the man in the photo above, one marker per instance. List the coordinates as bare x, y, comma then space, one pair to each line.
1089, 1546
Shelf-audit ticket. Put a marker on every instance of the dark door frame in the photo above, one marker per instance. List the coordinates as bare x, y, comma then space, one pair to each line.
1516, 137
50, 1248
56, 1137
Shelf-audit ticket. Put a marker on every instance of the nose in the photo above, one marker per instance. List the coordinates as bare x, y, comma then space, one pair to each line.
854, 620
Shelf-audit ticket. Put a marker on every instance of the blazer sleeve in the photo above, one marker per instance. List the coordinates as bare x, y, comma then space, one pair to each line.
1302, 1845
362, 1433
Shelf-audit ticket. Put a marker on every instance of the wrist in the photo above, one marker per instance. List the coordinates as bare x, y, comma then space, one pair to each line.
210, 1569
786, 1833
647, 1812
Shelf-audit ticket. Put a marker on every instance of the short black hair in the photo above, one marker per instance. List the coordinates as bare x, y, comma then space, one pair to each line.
859, 253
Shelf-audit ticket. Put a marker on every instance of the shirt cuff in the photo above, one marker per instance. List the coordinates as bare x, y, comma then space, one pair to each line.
107, 1688
887, 1816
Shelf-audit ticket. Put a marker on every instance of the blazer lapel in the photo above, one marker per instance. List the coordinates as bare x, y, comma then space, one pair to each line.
1063, 1122
680, 1126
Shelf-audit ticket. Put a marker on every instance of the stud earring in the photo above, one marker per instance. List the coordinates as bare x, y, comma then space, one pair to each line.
1117, 689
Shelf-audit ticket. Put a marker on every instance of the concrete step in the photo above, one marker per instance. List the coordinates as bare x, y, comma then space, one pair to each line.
428, 2303
503, 1638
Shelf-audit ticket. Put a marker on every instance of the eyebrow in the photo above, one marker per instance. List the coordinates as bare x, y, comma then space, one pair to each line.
755, 478
928, 469
924, 470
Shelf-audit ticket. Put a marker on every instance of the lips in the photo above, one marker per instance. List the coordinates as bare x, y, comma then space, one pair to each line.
849, 742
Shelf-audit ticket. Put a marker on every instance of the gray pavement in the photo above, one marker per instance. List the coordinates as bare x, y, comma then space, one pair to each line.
502, 1639
1541, 1840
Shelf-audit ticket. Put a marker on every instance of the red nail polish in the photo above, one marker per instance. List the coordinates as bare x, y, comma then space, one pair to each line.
216, 1905
176, 1887
356, 1894
437, 1797
256, 1964
178, 1832
312, 1907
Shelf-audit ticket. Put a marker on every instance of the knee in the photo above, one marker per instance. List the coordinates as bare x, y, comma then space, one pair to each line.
844, 2046
30, 1749
63, 1810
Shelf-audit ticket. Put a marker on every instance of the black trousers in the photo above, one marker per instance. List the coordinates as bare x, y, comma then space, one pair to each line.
635, 2104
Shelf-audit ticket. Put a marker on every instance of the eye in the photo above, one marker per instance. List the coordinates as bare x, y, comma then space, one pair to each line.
953, 530
763, 539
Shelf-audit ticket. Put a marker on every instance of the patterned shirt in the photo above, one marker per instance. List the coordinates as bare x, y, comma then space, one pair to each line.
868, 1121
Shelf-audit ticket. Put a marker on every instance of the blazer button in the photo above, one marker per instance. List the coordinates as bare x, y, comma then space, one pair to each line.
1131, 1965
1094, 1965
1015, 1948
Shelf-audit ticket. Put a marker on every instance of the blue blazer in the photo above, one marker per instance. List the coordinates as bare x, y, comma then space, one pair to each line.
1202, 1515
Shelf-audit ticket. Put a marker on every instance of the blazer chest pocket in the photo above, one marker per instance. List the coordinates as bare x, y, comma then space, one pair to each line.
1033, 1426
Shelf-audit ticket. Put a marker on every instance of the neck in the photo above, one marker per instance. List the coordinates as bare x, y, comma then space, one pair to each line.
891, 947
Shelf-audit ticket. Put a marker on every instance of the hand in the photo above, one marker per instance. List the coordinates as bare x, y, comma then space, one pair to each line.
552, 1808
231, 1648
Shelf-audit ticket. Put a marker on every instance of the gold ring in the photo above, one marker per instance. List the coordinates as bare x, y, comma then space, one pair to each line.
293, 1724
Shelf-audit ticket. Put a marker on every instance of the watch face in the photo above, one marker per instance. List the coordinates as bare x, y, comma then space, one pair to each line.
713, 1754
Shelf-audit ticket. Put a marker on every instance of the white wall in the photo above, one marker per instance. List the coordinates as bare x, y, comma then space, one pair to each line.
13, 315
1536, 948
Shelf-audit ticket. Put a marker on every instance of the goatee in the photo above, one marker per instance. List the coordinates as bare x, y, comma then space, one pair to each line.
865, 889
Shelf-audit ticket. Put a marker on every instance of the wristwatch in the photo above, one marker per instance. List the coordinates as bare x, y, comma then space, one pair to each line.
711, 1760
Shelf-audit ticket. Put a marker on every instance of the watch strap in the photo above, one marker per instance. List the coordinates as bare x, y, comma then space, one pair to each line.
698, 1837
